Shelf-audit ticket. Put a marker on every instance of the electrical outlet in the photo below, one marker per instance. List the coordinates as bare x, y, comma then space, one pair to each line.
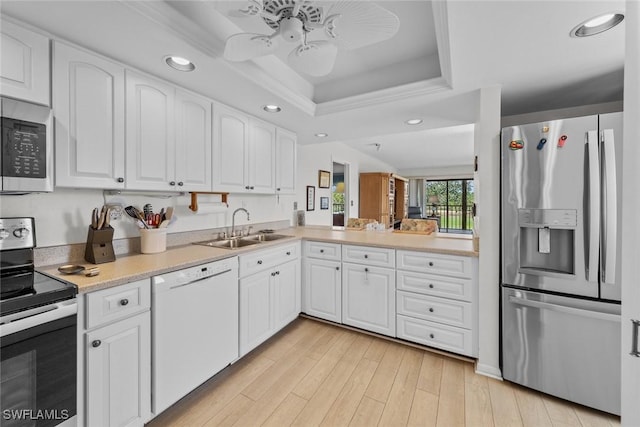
295, 206
116, 212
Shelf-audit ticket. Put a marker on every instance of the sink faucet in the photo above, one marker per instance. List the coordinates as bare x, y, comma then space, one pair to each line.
233, 220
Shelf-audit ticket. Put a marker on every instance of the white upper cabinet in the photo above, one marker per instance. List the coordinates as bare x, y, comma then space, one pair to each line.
24, 64
88, 101
261, 157
230, 139
286, 143
193, 142
150, 134
244, 153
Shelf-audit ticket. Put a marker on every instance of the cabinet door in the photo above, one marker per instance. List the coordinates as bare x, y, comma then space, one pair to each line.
150, 134
286, 288
262, 157
24, 64
286, 143
322, 289
119, 373
369, 298
193, 142
256, 324
230, 138
88, 100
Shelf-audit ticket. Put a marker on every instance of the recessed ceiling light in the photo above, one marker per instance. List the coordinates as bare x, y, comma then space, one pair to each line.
597, 25
413, 122
179, 63
270, 108
322, 135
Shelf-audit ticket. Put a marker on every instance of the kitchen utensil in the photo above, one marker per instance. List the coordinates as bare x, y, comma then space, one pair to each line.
103, 213
107, 218
153, 220
169, 213
162, 218
147, 209
164, 224
75, 269
94, 218
135, 213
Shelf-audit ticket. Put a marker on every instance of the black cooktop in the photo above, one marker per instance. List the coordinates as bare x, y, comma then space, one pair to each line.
32, 289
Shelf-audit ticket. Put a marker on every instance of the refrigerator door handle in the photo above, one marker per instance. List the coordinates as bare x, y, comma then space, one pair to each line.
609, 208
564, 309
593, 213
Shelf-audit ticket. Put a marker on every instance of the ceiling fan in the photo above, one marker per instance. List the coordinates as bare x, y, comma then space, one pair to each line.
346, 24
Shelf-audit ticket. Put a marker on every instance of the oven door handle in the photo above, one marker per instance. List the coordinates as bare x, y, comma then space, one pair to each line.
28, 319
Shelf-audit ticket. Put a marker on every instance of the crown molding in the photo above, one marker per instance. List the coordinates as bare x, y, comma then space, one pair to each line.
383, 96
441, 22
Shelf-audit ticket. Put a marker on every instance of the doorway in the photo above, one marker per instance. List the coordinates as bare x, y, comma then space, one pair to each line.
339, 194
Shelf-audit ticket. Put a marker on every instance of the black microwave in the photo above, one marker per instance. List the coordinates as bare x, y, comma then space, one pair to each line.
26, 159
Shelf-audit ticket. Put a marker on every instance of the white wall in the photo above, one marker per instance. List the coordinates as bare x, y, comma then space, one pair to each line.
630, 208
321, 156
487, 188
63, 217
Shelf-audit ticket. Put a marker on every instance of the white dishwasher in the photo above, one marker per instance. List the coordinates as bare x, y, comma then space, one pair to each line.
194, 316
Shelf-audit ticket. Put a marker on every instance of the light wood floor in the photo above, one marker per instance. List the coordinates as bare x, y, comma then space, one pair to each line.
312, 374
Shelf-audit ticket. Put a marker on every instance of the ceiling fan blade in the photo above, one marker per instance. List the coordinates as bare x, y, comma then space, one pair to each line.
314, 58
245, 46
253, 8
360, 23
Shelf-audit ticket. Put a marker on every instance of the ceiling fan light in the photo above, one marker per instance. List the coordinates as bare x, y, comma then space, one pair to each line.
272, 108
315, 58
179, 63
597, 25
291, 29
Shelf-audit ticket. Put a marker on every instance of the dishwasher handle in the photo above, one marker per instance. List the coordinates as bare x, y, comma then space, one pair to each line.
180, 285
565, 309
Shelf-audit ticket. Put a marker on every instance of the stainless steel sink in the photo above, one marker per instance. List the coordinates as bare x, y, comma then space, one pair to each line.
239, 242
228, 243
264, 237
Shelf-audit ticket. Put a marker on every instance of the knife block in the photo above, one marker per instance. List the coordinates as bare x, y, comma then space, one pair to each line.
99, 248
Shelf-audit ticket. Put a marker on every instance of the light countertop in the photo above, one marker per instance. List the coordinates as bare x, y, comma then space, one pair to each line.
134, 267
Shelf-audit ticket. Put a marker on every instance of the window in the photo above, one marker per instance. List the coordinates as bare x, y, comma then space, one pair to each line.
451, 202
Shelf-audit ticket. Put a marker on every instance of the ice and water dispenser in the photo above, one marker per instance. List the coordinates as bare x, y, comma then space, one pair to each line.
547, 240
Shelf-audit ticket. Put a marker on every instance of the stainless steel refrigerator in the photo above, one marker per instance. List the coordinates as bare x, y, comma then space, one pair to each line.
560, 269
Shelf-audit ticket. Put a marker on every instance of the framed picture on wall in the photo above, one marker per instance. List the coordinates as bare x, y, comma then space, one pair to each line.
324, 203
324, 178
311, 197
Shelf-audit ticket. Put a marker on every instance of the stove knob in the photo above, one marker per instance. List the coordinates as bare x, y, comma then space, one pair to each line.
3, 233
21, 232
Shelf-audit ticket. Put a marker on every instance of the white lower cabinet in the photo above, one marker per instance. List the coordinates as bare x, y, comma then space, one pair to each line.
270, 297
322, 289
369, 298
117, 353
437, 301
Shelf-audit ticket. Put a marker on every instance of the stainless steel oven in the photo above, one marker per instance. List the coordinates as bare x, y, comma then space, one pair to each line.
26, 159
38, 336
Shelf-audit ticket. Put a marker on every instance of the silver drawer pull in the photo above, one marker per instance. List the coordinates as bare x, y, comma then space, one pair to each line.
96, 343
430, 309
430, 285
432, 336
124, 301
634, 338
430, 263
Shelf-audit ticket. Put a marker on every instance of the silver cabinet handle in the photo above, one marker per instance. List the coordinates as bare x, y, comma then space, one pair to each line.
172, 183
124, 301
96, 343
120, 179
634, 338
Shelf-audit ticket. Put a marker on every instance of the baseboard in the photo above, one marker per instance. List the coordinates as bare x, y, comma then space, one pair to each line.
488, 371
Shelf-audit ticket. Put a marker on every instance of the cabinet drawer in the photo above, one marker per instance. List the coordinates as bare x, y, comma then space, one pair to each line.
267, 258
368, 255
441, 286
323, 250
425, 262
117, 303
441, 310
445, 337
